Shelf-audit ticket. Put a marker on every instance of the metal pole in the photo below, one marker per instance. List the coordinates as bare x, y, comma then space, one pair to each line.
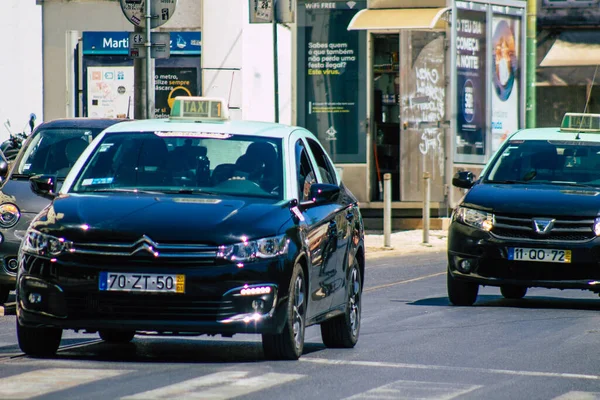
148, 45
531, 63
387, 209
275, 62
426, 206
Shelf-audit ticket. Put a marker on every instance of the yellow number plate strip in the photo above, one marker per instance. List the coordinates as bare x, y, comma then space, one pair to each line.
180, 283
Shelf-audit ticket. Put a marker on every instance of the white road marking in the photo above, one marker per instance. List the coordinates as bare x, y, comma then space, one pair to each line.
217, 386
420, 278
579, 396
409, 390
452, 369
44, 381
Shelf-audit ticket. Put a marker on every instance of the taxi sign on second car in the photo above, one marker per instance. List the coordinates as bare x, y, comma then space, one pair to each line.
574, 122
199, 108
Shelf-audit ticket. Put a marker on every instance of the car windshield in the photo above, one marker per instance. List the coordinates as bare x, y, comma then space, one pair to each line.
184, 162
53, 151
542, 161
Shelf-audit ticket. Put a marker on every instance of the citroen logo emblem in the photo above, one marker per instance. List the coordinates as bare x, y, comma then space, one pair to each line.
543, 226
145, 244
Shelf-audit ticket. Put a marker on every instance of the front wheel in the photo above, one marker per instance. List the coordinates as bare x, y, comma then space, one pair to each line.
113, 336
288, 344
342, 331
38, 342
461, 293
513, 292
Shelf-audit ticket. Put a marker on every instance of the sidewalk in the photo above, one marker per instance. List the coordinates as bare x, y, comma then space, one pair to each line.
405, 242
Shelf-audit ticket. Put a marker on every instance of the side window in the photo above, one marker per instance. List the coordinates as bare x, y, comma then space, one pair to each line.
323, 163
305, 174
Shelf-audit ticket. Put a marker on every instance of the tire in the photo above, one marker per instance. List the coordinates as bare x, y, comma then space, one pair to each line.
513, 292
113, 336
4, 292
288, 344
38, 342
343, 330
461, 293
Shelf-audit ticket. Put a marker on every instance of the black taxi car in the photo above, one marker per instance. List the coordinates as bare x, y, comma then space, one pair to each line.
195, 225
52, 148
532, 219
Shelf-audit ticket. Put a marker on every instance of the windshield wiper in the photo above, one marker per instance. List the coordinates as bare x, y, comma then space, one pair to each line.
121, 190
193, 191
508, 181
575, 184
21, 176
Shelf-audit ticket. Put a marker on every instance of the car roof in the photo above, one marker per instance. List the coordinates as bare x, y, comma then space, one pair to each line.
81, 122
253, 128
554, 134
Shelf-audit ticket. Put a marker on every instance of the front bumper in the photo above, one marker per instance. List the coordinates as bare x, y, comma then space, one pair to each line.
480, 257
67, 296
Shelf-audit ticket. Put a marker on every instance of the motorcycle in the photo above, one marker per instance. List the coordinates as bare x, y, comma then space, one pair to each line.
11, 147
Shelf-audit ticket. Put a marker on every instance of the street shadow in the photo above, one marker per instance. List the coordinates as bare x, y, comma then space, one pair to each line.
528, 302
172, 350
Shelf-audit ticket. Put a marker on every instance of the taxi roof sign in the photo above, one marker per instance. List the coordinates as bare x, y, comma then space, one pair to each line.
576, 122
199, 108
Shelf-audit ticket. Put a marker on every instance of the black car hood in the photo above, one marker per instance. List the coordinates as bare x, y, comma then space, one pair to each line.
539, 199
18, 191
163, 218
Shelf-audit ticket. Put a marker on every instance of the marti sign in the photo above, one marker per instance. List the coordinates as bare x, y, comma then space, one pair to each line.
135, 11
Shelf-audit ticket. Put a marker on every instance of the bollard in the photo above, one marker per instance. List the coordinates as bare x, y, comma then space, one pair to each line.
387, 209
426, 206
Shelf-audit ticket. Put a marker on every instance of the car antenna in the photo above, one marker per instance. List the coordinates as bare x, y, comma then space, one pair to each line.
128, 107
230, 88
587, 102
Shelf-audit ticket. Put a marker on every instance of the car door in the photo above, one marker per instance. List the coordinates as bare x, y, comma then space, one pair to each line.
344, 215
321, 234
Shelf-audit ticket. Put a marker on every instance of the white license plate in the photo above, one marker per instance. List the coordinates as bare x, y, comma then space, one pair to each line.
127, 282
542, 255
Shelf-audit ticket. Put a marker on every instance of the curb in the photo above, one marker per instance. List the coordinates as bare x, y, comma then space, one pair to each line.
8, 309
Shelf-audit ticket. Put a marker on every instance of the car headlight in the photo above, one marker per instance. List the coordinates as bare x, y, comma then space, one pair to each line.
251, 250
9, 215
44, 245
475, 218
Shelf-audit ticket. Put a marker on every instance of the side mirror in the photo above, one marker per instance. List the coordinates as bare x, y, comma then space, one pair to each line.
3, 169
463, 179
44, 185
322, 193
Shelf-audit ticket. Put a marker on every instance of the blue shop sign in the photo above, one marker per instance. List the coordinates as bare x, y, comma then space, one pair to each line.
113, 43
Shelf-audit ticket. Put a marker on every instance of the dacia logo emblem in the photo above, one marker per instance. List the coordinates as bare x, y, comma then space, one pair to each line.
543, 226
145, 244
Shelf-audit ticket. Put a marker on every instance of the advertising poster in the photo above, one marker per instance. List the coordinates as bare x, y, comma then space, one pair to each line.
506, 77
331, 81
170, 83
471, 82
110, 92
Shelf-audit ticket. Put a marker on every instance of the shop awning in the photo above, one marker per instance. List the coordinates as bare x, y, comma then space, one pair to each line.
577, 48
399, 18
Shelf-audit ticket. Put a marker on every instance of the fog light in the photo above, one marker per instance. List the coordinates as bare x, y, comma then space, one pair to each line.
251, 291
466, 266
34, 298
12, 264
258, 305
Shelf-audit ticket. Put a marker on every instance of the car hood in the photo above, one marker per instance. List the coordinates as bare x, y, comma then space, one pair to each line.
18, 192
540, 199
163, 218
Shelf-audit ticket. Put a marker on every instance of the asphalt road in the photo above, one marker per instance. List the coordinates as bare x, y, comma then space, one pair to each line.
412, 345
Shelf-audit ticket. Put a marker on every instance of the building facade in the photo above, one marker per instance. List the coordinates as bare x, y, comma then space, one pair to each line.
20, 65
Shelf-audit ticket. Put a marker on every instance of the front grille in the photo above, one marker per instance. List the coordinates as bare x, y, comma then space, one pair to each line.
572, 229
145, 250
134, 306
